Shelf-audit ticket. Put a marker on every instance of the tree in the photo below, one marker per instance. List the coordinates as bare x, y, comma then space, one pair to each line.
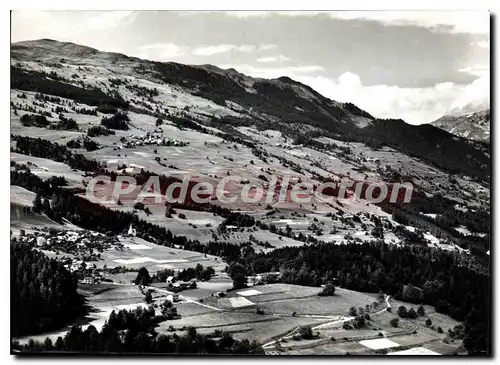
394, 322
46, 205
142, 277
421, 310
359, 322
412, 314
328, 290
353, 312
306, 332
139, 206
442, 306
159, 122
37, 204
380, 296
59, 343
47, 343
238, 273
440, 330
428, 322
412, 294
347, 326
168, 310
148, 298
402, 312
166, 304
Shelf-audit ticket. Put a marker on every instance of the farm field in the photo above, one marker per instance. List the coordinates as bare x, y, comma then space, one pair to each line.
45, 168
138, 253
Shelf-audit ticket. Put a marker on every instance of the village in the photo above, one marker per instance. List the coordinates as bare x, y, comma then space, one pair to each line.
81, 251
155, 138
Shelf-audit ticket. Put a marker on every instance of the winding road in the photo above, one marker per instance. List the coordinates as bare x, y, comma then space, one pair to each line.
340, 320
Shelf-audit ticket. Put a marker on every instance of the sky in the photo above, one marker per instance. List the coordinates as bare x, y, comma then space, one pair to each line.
414, 65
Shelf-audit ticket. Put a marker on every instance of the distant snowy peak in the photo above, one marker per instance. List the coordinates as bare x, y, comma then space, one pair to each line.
475, 106
475, 126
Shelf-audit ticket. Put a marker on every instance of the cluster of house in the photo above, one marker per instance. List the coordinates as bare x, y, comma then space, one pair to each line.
152, 139
363, 157
91, 280
68, 241
287, 146
175, 285
255, 279
82, 244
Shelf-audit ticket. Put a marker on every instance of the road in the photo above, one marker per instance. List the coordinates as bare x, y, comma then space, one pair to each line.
189, 300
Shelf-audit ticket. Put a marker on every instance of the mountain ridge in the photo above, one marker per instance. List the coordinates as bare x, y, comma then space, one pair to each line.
280, 103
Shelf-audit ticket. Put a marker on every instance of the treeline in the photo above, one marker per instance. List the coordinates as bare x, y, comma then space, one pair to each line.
67, 124
22, 176
34, 120
118, 121
43, 292
476, 221
99, 130
446, 280
142, 91
198, 272
133, 332
356, 110
39, 147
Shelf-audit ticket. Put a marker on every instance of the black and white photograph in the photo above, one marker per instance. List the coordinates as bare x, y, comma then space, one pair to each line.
251, 183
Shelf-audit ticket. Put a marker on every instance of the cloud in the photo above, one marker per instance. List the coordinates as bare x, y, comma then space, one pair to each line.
476, 22
349, 80
271, 59
265, 47
211, 50
458, 21
109, 19
274, 72
224, 48
73, 26
259, 13
414, 105
160, 51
